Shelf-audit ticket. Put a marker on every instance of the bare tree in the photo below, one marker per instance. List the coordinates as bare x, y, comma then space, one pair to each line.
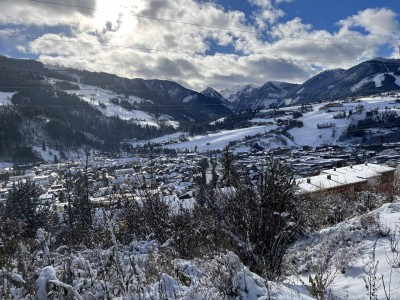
260, 221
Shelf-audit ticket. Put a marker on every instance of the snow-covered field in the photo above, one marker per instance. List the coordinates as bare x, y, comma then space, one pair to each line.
161, 139
219, 140
212, 141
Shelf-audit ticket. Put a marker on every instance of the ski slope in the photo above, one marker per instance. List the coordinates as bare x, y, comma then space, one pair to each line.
101, 99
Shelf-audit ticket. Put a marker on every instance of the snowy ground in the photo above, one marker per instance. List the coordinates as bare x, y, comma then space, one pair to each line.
5, 98
310, 135
352, 245
161, 139
47, 155
217, 141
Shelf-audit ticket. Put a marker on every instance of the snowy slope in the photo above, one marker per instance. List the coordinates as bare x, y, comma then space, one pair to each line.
232, 94
97, 97
101, 99
310, 135
352, 246
47, 155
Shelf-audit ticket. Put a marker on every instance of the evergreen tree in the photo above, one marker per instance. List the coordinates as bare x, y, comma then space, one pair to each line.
23, 203
229, 175
82, 208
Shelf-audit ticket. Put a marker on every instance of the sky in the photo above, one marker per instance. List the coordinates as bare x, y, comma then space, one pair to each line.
201, 43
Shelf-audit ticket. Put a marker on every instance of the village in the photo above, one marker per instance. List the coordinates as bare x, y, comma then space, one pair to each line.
176, 175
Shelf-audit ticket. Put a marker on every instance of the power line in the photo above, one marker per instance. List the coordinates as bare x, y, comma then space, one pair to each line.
209, 26
152, 18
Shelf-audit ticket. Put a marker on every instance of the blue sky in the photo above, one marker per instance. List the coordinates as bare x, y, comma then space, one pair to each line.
283, 40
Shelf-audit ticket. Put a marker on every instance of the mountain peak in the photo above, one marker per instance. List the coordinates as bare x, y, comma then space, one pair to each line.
213, 94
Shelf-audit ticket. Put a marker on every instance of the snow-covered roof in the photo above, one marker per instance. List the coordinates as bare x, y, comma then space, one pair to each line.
365, 171
338, 177
326, 181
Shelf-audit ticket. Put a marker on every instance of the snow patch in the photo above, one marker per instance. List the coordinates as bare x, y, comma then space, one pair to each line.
187, 99
5, 98
359, 85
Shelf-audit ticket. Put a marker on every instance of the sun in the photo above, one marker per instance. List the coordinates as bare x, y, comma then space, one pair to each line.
109, 11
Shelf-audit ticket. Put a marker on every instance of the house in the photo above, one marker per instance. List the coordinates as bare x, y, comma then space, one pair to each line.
373, 173
43, 180
350, 178
28, 176
330, 183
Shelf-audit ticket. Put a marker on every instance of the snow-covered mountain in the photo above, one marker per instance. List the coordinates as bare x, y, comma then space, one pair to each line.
234, 94
367, 78
253, 97
211, 93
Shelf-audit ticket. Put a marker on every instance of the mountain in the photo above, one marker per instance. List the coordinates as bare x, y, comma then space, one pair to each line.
160, 97
211, 93
234, 94
367, 78
66, 108
69, 108
253, 97
268, 94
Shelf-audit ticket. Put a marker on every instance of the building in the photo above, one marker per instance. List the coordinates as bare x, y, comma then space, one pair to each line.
347, 179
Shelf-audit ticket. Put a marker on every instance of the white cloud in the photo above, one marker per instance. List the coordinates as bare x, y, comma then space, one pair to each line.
290, 51
262, 3
377, 21
268, 13
23, 12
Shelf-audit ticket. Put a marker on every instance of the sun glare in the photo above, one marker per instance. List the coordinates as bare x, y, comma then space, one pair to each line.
108, 11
